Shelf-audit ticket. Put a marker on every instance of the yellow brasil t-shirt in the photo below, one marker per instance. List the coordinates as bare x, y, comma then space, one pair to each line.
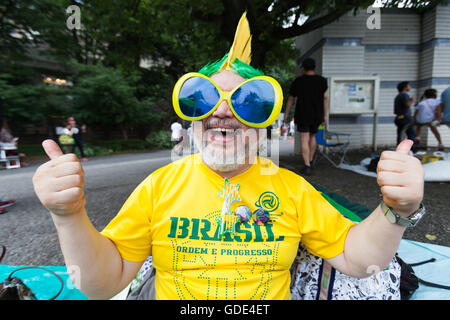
174, 215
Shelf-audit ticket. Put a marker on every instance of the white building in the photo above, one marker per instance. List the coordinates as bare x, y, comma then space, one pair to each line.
409, 46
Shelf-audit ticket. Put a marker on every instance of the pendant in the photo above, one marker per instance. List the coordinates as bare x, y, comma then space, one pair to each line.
261, 216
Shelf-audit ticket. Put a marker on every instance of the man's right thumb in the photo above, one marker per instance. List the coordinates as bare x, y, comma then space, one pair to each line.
52, 149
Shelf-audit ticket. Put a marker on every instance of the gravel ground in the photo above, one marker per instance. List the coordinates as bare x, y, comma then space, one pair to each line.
365, 190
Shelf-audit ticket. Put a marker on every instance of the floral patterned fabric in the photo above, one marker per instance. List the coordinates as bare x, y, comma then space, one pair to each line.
306, 275
15, 289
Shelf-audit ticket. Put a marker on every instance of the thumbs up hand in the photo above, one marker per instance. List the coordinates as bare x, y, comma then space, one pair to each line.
401, 178
59, 182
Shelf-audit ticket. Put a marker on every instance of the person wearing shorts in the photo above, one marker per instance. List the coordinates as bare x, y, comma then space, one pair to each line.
309, 129
403, 117
311, 109
427, 114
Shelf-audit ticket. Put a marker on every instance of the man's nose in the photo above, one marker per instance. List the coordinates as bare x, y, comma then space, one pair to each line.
223, 110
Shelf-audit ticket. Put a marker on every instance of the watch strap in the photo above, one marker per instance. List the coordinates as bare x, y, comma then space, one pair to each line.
394, 217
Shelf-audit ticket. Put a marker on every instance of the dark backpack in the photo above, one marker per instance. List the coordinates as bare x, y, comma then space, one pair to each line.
373, 164
409, 282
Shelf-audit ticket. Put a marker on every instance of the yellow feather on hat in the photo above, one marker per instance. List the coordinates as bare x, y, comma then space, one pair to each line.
241, 48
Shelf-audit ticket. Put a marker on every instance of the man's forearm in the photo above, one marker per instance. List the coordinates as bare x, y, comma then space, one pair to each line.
371, 245
92, 260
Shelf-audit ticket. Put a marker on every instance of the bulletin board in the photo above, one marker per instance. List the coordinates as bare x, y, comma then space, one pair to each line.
353, 95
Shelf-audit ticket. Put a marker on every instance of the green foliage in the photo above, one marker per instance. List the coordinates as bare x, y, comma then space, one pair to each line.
27, 103
156, 140
20, 21
129, 54
31, 149
93, 150
107, 97
159, 139
119, 145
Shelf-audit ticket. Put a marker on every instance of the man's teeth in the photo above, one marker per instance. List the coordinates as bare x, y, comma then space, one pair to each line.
223, 130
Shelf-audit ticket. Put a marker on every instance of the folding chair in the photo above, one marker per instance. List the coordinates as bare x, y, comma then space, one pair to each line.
336, 149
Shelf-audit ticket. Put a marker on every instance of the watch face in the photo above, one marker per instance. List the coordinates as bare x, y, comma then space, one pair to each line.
415, 218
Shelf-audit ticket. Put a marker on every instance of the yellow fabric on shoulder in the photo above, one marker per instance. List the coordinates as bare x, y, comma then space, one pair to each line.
174, 215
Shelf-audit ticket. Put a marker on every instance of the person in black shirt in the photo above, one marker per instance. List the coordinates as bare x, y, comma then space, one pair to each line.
403, 119
311, 109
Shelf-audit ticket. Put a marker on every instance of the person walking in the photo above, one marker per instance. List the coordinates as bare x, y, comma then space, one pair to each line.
66, 138
426, 114
403, 119
292, 128
177, 137
311, 109
176, 129
78, 137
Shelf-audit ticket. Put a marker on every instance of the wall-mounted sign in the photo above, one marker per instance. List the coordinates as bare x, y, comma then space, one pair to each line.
353, 95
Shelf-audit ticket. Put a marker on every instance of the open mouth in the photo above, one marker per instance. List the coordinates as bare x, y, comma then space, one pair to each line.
224, 131
223, 135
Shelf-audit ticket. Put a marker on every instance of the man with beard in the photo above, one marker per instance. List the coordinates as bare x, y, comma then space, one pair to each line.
224, 223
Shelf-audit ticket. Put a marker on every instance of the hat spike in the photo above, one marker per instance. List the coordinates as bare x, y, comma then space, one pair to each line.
241, 47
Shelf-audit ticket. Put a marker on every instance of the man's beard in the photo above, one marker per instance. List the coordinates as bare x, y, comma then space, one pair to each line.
235, 155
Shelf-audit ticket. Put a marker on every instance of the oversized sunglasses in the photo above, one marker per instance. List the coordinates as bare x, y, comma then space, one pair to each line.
256, 102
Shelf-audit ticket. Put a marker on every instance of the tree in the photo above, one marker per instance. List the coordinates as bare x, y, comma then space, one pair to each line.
29, 103
272, 21
106, 97
172, 37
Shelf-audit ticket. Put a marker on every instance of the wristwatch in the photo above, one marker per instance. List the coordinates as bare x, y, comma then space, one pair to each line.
394, 217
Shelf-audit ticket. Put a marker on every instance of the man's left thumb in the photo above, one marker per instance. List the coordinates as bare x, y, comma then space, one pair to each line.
404, 146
